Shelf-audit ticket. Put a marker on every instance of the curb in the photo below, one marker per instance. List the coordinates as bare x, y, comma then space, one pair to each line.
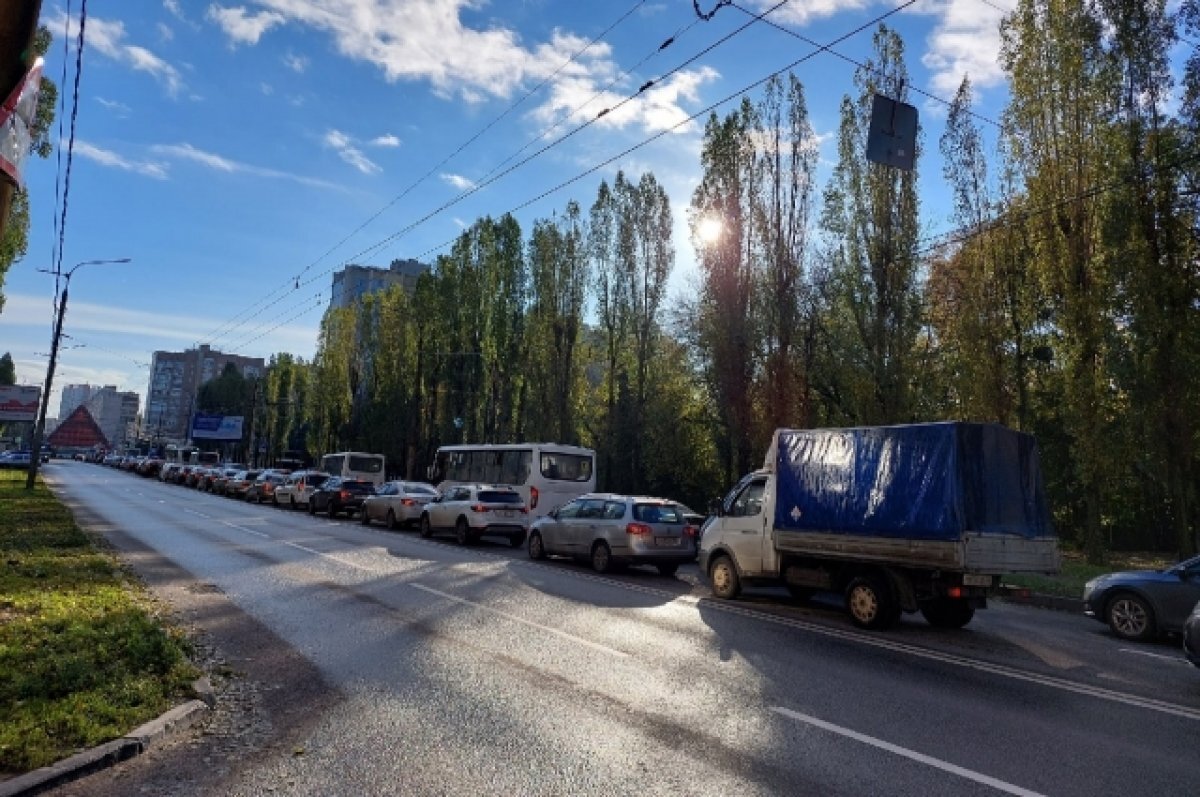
106, 755
1038, 600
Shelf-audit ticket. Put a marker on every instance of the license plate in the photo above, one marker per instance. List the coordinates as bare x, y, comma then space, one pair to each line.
972, 580
667, 542
507, 513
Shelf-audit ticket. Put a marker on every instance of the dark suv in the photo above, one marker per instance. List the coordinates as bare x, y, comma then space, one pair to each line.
339, 495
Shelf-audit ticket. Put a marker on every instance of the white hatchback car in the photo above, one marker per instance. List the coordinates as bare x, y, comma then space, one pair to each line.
398, 503
297, 487
478, 510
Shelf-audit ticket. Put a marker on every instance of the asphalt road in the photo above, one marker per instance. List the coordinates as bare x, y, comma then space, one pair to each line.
363, 661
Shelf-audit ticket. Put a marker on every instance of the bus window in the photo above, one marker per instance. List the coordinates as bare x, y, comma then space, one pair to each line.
366, 464
566, 467
514, 467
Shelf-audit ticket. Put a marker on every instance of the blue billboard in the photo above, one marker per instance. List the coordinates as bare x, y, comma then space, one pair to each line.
216, 427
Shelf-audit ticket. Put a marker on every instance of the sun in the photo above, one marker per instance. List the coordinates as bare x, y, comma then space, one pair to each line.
710, 229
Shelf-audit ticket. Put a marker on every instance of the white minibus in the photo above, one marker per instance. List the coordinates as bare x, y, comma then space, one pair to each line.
355, 465
547, 474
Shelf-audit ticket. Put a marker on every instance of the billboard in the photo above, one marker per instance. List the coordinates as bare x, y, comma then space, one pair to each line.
216, 427
19, 402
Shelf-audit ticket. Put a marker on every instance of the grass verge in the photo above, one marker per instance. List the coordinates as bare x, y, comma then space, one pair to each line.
84, 659
1076, 572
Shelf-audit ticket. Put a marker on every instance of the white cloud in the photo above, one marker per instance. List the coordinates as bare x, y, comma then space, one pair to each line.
657, 109
965, 41
386, 140
345, 148
799, 12
435, 41
107, 38
222, 164
165, 33
111, 159
266, 88
457, 181
296, 63
173, 7
242, 26
119, 108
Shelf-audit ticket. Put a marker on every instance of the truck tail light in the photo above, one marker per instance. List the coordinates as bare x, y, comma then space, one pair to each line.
954, 592
533, 497
639, 529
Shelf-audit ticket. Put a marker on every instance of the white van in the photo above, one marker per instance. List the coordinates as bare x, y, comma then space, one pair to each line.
355, 465
547, 475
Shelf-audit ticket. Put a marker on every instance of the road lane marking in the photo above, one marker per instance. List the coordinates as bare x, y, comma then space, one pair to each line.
913, 755
521, 620
1173, 659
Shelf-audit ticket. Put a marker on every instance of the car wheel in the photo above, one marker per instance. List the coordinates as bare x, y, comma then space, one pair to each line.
667, 570
724, 577
870, 604
462, 532
426, 529
1130, 617
947, 612
391, 520
601, 558
537, 549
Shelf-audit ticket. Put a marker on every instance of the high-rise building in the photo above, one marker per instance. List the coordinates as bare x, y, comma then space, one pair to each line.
73, 396
353, 282
175, 380
115, 412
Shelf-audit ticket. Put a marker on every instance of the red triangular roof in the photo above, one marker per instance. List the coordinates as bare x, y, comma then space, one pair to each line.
79, 430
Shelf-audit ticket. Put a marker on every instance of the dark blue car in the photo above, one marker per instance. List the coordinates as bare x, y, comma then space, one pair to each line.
1141, 604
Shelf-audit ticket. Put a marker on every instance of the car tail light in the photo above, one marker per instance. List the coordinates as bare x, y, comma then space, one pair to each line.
689, 531
407, 502
954, 592
524, 511
638, 529
478, 508
344, 494
533, 497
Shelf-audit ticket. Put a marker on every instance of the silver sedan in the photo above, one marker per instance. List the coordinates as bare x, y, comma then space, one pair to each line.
398, 503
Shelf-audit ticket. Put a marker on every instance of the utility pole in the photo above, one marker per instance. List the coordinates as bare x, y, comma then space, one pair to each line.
18, 24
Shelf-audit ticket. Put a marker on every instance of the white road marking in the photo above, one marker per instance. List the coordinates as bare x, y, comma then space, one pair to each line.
521, 620
1173, 659
913, 755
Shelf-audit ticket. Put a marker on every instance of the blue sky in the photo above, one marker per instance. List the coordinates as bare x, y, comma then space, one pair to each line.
233, 149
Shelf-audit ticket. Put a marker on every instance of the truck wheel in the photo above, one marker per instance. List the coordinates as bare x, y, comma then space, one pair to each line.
724, 577
1130, 617
947, 612
870, 604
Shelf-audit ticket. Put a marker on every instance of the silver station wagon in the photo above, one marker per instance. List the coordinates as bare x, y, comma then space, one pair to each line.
610, 530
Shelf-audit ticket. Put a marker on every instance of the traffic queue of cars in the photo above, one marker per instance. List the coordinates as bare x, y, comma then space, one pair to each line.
607, 531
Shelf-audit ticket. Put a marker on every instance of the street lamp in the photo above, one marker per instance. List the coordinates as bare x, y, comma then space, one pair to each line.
35, 454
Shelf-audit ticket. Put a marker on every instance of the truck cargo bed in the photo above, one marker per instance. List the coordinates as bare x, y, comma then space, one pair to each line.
974, 553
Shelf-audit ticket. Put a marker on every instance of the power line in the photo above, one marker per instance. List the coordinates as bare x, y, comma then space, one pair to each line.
861, 65
479, 134
497, 176
62, 229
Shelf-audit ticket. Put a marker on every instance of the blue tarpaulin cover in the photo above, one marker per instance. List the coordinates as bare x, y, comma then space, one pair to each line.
930, 481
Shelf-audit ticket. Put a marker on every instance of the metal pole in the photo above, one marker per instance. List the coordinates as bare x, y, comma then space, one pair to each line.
39, 428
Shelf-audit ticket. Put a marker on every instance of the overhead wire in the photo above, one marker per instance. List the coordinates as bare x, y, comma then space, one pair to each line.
710, 108
62, 228
556, 142
295, 281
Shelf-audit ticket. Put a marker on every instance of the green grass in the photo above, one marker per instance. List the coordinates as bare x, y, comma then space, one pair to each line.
83, 657
1076, 572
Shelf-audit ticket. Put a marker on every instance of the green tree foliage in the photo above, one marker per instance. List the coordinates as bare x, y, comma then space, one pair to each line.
8, 369
228, 394
871, 220
15, 239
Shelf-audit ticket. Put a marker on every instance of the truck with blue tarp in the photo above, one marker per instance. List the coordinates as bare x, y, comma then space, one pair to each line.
920, 517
